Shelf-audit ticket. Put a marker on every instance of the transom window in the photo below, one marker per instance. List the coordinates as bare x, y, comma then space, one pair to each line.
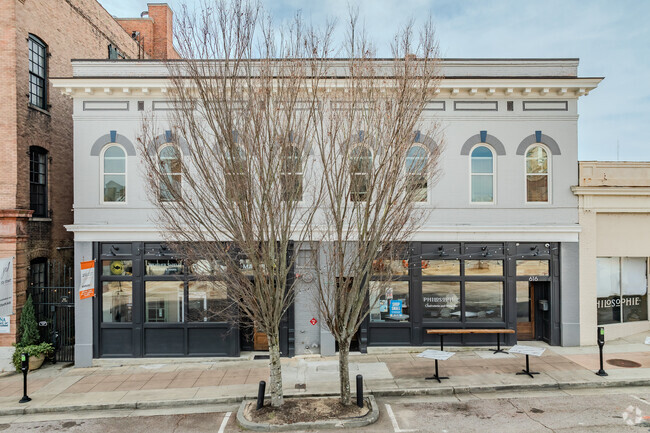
37, 72
416, 172
38, 181
360, 166
114, 173
291, 176
482, 175
537, 175
170, 166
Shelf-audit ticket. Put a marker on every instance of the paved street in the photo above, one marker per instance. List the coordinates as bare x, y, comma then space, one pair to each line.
541, 411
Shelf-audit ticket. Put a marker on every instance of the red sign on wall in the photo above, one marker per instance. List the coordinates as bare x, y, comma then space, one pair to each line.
313, 321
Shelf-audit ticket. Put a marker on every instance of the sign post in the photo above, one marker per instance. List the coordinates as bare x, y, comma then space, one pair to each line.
6, 287
601, 344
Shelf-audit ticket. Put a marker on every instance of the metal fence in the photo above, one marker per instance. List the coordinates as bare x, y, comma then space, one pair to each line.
53, 296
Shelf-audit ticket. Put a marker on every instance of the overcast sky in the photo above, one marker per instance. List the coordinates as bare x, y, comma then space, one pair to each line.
611, 38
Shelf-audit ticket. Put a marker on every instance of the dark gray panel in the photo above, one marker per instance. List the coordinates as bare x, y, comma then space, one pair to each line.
163, 341
116, 342
211, 341
389, 336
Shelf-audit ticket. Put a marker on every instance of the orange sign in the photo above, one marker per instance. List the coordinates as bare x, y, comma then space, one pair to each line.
87, 286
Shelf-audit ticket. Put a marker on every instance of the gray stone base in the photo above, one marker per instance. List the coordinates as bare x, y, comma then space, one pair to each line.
371, 417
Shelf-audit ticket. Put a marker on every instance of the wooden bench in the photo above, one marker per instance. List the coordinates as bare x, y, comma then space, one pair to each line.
498, 332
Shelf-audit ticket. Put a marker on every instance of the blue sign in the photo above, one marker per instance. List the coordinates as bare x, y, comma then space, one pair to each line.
396, 308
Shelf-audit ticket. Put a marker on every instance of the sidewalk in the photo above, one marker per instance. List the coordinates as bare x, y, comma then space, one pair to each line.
174, 383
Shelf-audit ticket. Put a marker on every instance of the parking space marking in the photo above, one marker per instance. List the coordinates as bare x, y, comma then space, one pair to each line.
224, 422
393, 420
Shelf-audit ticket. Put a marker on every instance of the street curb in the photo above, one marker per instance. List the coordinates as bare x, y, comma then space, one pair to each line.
370, 418
432, 391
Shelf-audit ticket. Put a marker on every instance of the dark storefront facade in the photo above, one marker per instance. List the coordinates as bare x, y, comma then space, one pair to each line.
149, 304
468, 285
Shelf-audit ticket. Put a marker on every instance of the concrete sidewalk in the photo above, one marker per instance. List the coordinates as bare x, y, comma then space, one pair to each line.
389, 371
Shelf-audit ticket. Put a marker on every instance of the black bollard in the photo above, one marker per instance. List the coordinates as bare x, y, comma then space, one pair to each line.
260, 395
601, 343
24, 366
359, 390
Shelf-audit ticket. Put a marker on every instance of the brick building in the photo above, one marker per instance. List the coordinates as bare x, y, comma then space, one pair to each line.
38, 38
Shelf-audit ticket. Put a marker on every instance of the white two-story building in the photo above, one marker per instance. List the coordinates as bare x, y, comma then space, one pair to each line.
499, 249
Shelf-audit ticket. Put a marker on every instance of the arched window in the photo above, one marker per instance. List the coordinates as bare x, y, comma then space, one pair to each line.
482, 168
170, 167
537, 174
37, 72
114, 174
235, 173
360, 166
291, 175
416, 172
38, 181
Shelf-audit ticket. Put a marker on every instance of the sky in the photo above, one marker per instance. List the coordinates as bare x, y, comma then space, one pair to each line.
611, 39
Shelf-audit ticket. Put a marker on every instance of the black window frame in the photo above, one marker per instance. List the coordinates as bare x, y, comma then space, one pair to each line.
37, 59
38, 177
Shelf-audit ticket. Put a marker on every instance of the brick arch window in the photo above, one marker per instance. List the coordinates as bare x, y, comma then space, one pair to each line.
361, 160
38, 181
537, 174
171, 168
113, 174
37, 72
482, 174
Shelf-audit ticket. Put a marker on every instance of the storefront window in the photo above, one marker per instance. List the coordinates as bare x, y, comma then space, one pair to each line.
441, 300
622, 289
484, 301
117, 267
164, 301
441, 267
484, 267
207, 301
117, 302
533, 267
390, 267
390, 301
163, 267
523, 301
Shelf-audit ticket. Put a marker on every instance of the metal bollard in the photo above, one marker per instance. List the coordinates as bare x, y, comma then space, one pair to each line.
359, 390
24, 367
601, 343
260, 395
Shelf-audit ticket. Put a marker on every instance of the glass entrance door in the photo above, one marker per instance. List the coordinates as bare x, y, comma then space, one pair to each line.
525, 310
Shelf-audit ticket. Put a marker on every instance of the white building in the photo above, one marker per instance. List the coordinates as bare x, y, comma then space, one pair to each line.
501, 240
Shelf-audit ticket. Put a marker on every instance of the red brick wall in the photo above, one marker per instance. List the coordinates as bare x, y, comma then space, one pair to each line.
71, 29
156, 29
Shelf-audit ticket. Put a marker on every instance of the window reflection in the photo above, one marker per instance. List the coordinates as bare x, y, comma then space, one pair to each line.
207, 301
117, 267
441, 267
390, 301
391, 267
533, 267
484, 267
484, 301
163, 267
117, 302
523, 301
164, 301
441, 300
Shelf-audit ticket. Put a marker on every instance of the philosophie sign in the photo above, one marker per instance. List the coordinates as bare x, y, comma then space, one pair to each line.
6, 287
647, 340
396, 307
440, 355
5, 325
87, 286
527, 350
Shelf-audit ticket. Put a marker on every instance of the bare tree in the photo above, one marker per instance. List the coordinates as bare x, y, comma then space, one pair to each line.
229, 190
372, 175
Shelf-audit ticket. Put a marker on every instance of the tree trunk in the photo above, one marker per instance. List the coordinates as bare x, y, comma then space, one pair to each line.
344, 373
275, 366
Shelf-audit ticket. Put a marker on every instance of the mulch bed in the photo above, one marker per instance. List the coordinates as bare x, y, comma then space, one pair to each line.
296, 410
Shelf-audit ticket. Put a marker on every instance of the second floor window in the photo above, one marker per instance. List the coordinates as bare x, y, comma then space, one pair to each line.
38, 181
360, 166
482, 177
114, 173
170, 166
37, 72
291, 174
537, 175
416, 172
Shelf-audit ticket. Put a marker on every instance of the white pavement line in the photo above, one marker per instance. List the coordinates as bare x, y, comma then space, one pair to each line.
393, 420
224, 422
640, 399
